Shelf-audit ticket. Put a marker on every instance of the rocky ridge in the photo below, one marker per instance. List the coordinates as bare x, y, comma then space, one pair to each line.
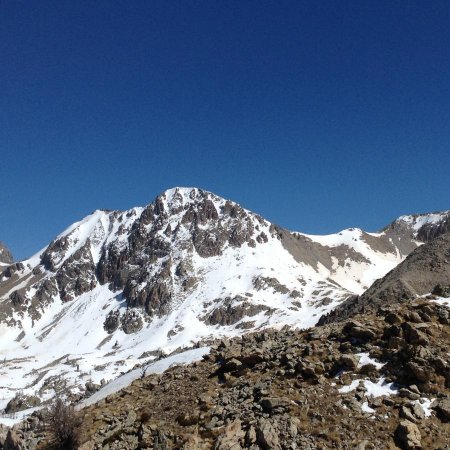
421, 227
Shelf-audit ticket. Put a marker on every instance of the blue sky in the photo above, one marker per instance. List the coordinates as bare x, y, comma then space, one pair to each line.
317, 115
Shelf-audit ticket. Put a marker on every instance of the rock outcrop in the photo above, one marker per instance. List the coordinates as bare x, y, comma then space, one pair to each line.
6, 257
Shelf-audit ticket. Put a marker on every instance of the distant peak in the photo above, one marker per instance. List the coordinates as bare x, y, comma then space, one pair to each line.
423, 227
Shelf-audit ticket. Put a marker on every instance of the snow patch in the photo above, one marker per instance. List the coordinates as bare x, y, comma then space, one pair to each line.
157, 367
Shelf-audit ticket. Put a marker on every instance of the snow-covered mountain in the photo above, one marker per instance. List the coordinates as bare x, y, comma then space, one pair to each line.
117, 289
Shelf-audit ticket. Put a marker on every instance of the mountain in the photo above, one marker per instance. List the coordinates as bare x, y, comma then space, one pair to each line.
121, 288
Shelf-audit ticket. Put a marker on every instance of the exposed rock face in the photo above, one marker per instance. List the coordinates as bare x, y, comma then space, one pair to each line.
13, 442
131, 321
442, 407
197, 221
77, 274
232, 310
21, 402
5, 255
112, 321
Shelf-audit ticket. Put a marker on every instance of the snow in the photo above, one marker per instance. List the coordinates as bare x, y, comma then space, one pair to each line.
426, 403
357, 276
415, 222
157, 367
364, 358
350, 387
378, 389
442, 301
366, 408
11, 419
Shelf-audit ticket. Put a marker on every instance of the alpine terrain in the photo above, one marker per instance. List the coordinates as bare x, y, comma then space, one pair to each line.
277, 339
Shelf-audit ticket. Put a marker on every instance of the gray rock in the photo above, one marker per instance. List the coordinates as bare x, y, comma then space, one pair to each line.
5, 255
442, 408
131, 321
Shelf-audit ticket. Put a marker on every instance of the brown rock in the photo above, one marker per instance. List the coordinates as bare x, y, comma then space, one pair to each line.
349, 361
231, 437
13, 442
408, 435
266, 435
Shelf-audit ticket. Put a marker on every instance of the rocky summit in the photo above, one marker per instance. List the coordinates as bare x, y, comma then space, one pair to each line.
195, 323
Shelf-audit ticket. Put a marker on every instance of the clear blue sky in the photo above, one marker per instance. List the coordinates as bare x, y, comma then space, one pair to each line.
319, 115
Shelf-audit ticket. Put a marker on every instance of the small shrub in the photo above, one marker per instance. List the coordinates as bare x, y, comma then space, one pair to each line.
145, 415
63, 425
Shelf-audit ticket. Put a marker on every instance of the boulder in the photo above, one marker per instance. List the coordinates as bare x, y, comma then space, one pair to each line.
13, 441
442, 408
349, 362
267, 436
231, 437
408, 435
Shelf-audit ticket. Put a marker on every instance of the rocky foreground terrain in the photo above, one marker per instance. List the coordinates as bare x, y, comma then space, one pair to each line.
376, 381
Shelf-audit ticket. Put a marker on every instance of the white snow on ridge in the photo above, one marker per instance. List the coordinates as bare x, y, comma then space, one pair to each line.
415, 222
443, 301
356, 276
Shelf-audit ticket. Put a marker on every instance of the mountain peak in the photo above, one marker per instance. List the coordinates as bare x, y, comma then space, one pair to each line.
421, 227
